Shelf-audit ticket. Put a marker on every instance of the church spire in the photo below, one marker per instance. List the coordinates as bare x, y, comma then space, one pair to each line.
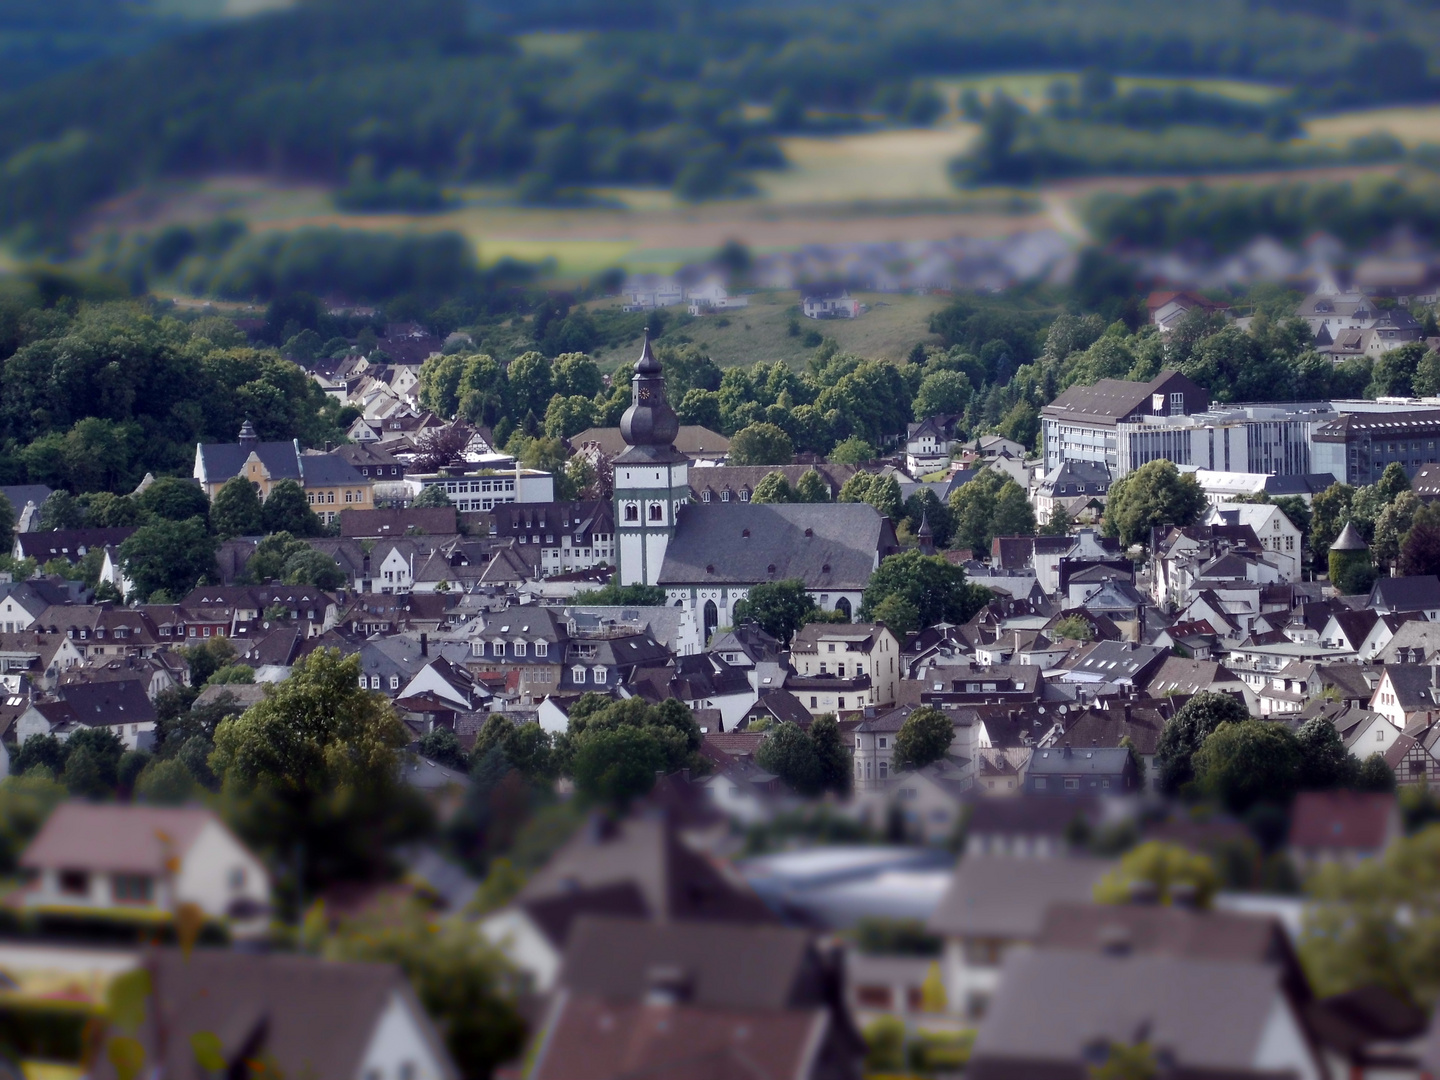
649, 421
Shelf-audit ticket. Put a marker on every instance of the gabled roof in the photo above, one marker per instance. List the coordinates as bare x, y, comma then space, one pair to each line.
1416, 686
109, 703
1165, 930
831, 546
1212, 1015
676, 882
116, 838
315, 1016
68, 544
729, 965
1112, 400
1418, 593
219, 462
590, 1038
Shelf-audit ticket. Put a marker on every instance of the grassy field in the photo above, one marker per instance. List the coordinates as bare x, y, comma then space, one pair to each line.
889, 329
874, 166
1412, 126
1029, 88
875, 186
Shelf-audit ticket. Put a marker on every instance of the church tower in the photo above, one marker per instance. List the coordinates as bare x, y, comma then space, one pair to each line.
652, 478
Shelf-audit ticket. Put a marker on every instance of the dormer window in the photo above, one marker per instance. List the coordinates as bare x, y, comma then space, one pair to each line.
519, 648
578, 674
497, 648
542, 648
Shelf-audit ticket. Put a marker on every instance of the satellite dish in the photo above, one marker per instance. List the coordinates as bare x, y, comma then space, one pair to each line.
1064, 709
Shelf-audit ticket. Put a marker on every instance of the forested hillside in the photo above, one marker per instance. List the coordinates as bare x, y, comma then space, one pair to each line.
393, 100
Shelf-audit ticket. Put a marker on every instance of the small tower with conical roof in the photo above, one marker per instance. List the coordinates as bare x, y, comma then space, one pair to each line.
1350, 567
925, 535
652, 478
248, 438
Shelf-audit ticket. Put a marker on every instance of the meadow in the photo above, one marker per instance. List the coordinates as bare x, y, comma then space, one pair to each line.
889, 328
871, 186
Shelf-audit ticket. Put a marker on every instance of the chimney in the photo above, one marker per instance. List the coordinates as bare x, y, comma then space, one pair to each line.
1068, 752
424, 644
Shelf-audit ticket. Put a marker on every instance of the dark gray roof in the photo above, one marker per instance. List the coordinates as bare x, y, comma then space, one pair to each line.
1006, 896
109, 703
1116, 660
1067, 761
1419, 593
221, 461
68, 544
826, 545
322, 470
20, 494
1349, 539
1111, 400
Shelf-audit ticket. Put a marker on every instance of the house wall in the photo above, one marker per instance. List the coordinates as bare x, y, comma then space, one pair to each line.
13, 615
100, 893
1283, 1046
399, 1048
218, 870
971, 970
737, 800
511, 931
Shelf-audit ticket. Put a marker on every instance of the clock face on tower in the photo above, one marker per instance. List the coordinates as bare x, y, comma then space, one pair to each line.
645, 393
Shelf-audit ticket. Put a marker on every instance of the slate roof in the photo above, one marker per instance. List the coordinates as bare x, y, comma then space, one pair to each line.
1111, 400
68, 544
20, 494
737, 478
676, 882
109, 703
436, 521
1418, 593
692, 440
1113, 661
833, 546
1415, 686
1349, 539
221, 461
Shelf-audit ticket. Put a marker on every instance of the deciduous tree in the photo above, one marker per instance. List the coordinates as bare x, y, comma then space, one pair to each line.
1157, 493
925, 737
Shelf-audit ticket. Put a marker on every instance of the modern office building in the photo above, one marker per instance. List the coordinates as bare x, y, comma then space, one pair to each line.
1080, 425
1357, 446
1125, 424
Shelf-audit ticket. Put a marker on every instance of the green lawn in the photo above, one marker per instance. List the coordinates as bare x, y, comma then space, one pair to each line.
889, 329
